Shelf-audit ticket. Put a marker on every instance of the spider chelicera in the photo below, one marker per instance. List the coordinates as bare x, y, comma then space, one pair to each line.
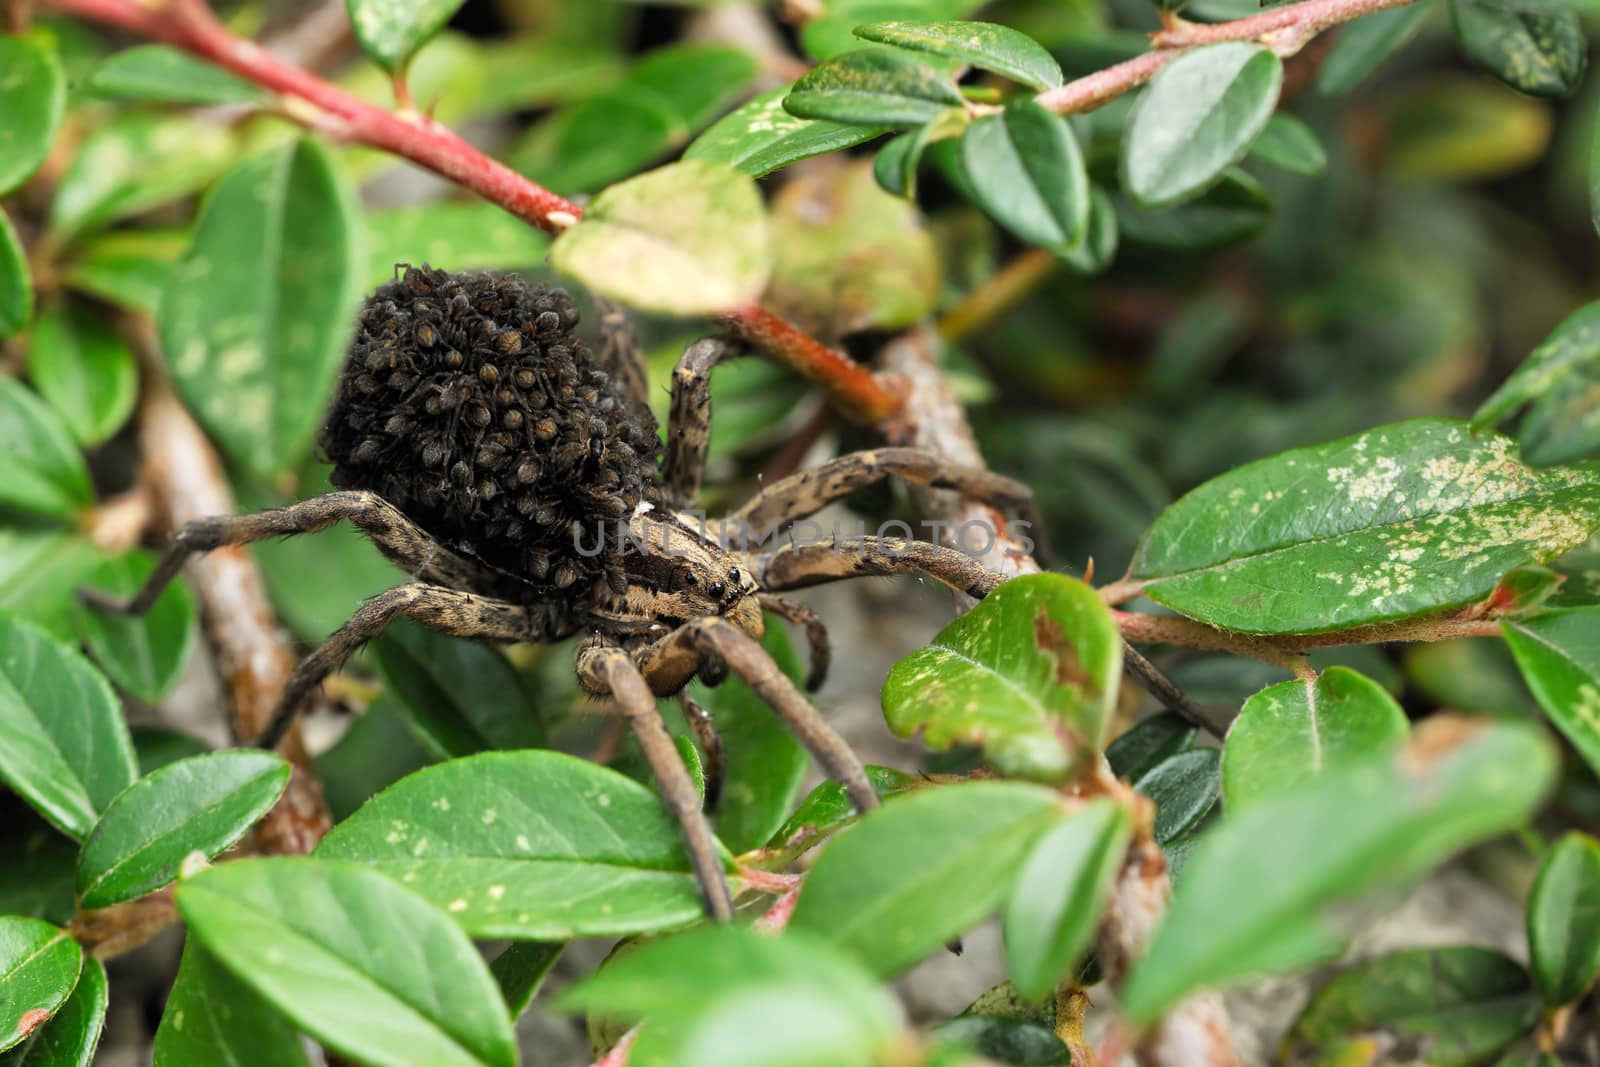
518, 478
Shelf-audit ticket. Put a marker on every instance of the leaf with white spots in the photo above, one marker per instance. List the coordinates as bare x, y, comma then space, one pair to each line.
359, 962
1559, 655
760, 136
1291, 732
390, 31
531, 845
255, 319
1404, 520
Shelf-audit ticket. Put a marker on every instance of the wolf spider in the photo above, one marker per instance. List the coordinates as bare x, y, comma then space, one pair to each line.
688, 596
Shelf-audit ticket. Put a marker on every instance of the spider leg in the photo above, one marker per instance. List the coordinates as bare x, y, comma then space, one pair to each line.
620, 350
603, 668
689, 424
804, 494
668, 659
716, 759
798, 566
816, 634
446, 610
397, 536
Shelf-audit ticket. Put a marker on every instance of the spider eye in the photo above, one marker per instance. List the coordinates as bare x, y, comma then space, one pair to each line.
733, 575
716, 590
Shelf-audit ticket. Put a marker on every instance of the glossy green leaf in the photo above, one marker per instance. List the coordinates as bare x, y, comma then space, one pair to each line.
1027, 172
1564, 919
1184, 788
1055, 906
872, 87
391, 31
256, 317
1099, 246
213, 1017
1535, 48
1030, 674
45, 472
1366, 43
71, 1036
1197, 118
923, 868
760, 136
129, 268
161, 73
1336, 837
360, 962
1451, 1007
376, 751
1563, 425
1571, 346
201, 804
686, 239
1559, 656
63, 745
459, 697
136, 161
1403, 520
1148, 742
1235, 209
985, 45
832, 32
1289, 144
84, 370
142, 654
16, 284
39, 967
1292, 732
33, 97
530, 845
460, 235
828, 808
39, 572
521, 969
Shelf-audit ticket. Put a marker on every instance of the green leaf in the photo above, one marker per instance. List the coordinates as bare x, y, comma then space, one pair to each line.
45, 472
1197, 118
872, 87
531, 845
985, 45
760, 136
1289, 733
1099, 246
1148, 742
161, 73
1403, 520
142, 654
1336, 837
918, 871
828, 808
1573, 345
129, 268
213, 1017
16, 285
1289, 144
833, 31
1026, 171
1030, 674
1366, 43
71, 1036
39, 967
63, 745
201, 804
726, 996
37, 879
469, 235
1005, 1040
39, 571
1449, 1006
359, 962
1184, 788
156, 747
134, 162
84, 370
391, 31
1564, 919
1233, 210
376, 751
1056, 903
255, 319
1559, 656
598, 140
459, 697
686, 239
694, 81
1564, 424
521, 969
1537, 49
33, 97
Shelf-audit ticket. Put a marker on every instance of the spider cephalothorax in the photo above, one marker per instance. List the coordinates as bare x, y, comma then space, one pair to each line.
516, 476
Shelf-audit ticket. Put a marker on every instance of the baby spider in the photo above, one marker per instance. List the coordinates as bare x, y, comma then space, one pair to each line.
518, 477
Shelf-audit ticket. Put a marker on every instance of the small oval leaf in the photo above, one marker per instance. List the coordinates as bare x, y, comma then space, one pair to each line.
1559, 656
760, 136
33, 97
45, 472
161, 73
390, 31
872, 87
39, 967
1289, 144
71, 1036
1535, 48
142, 654
1027, 172
985, 45
1564, 919
201, 804
1184, 788
84, 370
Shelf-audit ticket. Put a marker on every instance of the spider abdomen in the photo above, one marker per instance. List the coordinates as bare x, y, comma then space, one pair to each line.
470, 403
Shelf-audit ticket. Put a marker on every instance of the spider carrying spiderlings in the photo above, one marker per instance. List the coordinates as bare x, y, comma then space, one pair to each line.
517, 475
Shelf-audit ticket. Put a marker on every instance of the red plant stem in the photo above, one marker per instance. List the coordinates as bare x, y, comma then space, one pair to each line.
321, 106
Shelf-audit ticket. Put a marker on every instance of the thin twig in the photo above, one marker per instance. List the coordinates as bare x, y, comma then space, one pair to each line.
1166, 691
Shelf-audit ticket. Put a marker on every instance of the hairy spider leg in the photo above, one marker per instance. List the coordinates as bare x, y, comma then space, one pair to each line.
799, 566
605, 669
689, 423
620, 351
806, 492
816, 634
